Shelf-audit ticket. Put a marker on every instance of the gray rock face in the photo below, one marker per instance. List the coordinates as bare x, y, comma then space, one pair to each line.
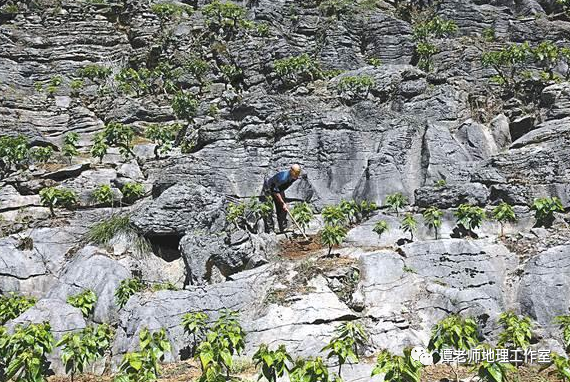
432, 279
452, 195
95, 271
544, 291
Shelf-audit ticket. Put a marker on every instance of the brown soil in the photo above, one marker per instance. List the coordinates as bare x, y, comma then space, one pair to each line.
441, 373
298, 248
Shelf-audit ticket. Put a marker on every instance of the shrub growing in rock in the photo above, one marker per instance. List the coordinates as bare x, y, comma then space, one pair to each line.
143, 366
12, 305
364, 209
25, 352
544, 209
126, 289
562, 366
132, 192
41, 154
79, 349
398, 368
121, 136
195, 324
344, 345
297, 70
169, 11
333, 235
69, 149
396, 202
380, 227
409, 224
303, 214
14, 152
517, 331
185, 105
504, 213
274, 363
358, 87
425, 32
508, 63
432, 217
334, 7
163, 136
225, 19
99, 148
310, 369
334, 215
456, 333
94, 72
225, 339
492, 371
103, 195
232, 74
469, 217
57, 197
85, 301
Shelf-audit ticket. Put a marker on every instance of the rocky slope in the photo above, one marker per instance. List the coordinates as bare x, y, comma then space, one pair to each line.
411, 129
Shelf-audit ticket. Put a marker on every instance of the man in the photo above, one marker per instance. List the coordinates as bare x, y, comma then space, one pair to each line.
275, 187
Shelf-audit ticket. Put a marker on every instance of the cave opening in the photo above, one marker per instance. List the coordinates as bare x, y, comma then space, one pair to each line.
166, 246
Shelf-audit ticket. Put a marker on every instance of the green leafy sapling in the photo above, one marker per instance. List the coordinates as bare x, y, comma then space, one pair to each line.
433, 219
544, 209
504, 213
85, 301
303, 214
333, 235
396, 202
470, 217
409, 224
380, 227
274, 363
398, 368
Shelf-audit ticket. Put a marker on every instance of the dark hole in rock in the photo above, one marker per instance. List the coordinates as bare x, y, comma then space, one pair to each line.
166, 247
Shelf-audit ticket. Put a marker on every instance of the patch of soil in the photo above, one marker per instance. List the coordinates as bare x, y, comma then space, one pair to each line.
298, 248
444, 373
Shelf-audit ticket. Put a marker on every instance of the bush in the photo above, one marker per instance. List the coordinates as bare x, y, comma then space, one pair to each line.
163, 136
79, 349
25, 353
53, 84
225, 339
185, 105
225, 18
11, 306
85, 301
57, 197
492, 371
508, 63
169, 11
41, 154
132, 192
504, 213
334, 7
424, 33
517, 331
470, 217
358, 86
232, 74
380, 227
131, 81
14, 152
333, 235
143, 366
456, 333
310, 369
303, 214
432, 217
121, 136
70, 145
376, 62
76, 85
273, 362
246, 215
409, 224
396, 202
126, 289
334, 215
398, 368
99, 148
297, 70
94, 72
344, 345
198, 68
195, 325
364, 209
103, 195
544, 210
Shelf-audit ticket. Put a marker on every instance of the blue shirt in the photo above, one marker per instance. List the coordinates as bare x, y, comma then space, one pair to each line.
279, 182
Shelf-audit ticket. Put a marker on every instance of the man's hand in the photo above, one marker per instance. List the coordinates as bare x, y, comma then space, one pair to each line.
285, 207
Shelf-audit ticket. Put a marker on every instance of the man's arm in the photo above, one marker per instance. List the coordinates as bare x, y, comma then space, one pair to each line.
280, 199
